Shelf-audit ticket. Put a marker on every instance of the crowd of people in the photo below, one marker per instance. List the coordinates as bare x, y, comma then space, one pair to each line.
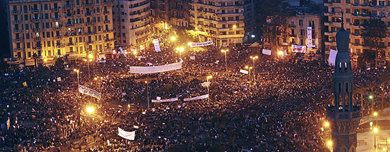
279, 106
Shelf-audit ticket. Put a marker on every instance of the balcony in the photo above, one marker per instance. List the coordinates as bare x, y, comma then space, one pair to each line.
105, 31
70, 43
109, 40
37, 47
291, 25
88, 5
89, 23
58, 36
89, 33
108, 2
88, 14
19, 39
17, 30
55, 9
346, 115
35, 10
106, 21
68, 6
56, 18
57, 28
16, 21
59, 45
36, 29
16, 11
37, 38
35, 19
89, 42
69, 25
106, 12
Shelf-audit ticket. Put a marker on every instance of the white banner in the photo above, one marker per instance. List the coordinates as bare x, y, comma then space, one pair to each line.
123, 52
205, 84
309, 37
332, 57
156, 45
130, 135
185, 99
244, 71
266, 52
192, 57
199, 44
298, 48
155, 69
90, 92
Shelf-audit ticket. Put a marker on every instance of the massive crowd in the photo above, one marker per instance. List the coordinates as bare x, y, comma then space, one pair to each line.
280, 106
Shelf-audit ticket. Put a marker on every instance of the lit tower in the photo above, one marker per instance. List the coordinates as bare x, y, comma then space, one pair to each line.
343, 114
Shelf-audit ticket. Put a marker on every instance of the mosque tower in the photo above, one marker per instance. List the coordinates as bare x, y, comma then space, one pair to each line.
344, 115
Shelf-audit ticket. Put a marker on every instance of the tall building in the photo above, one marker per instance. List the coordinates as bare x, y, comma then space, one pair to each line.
343, 114
4, 44
219, 21
305, 30
356, 12
250, 20
133, 23
48, 29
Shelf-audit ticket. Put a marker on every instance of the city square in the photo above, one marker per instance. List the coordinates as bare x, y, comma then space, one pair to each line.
118, 75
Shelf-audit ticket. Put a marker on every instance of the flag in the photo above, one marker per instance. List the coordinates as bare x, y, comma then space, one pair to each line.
266, 52
130, 135
25, 83
244, 71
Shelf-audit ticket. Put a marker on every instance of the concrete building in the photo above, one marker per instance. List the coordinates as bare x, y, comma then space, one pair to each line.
250, 20
220, 21
48, 29
356, 12
133, 21
298, 32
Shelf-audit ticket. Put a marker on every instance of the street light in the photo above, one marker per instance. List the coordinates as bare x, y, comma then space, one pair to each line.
249, 71
180, 50
89, 60
375, 114
375, 131
90, 109
147, 93
326, 124
280, 53
78, 76
253, 64
329, 143
173, 38
225, 51
208, 86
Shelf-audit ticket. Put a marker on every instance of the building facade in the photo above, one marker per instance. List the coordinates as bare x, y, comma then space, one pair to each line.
133, 21
220, 21
299, 29
48, 29
344, 115
250, 20
356, 12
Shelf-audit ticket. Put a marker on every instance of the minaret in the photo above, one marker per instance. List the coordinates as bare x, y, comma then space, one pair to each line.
343, 114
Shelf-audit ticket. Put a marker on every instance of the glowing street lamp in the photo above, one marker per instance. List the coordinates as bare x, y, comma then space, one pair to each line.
375, 114
90, 109
375, 131
190, 43
78, 76
173, 38
326, 124
253, 64
208, 86
180, 50
225, 51
234, 26
329, 144
280, 53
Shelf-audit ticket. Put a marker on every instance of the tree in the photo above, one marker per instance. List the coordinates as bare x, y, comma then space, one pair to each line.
374, 30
